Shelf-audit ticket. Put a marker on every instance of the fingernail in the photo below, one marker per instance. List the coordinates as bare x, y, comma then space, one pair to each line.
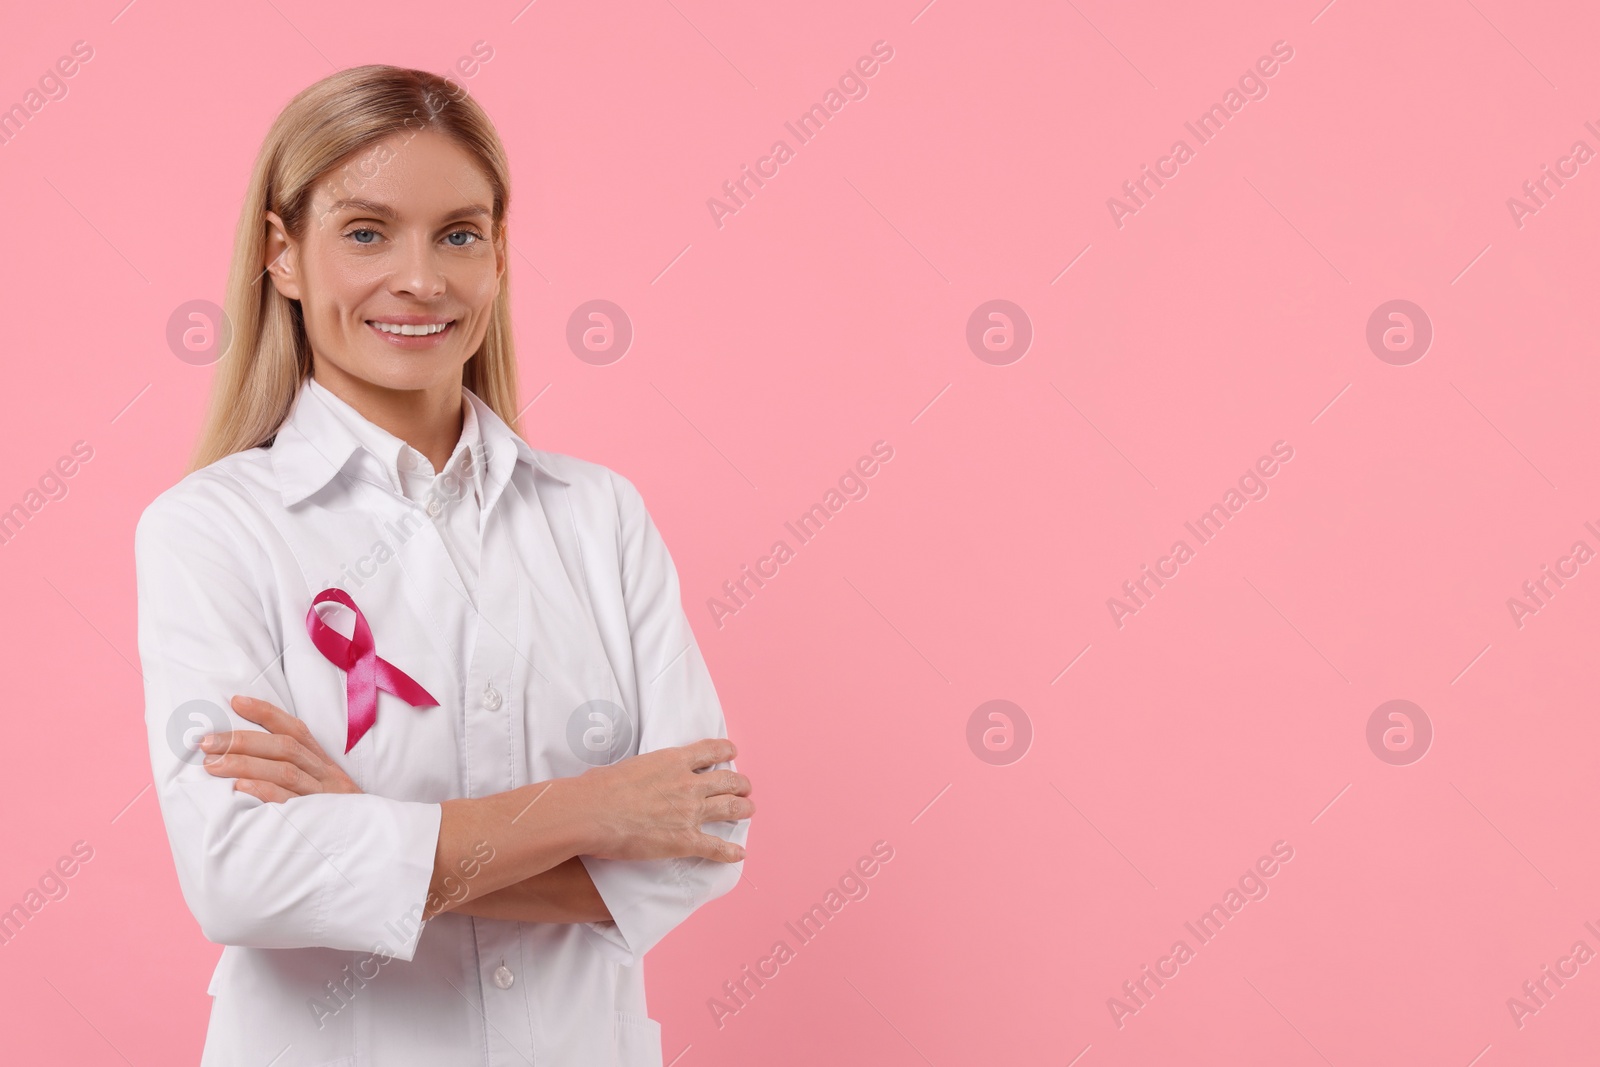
211, 759
208, 742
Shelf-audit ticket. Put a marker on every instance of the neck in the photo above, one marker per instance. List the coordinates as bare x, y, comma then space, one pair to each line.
429, 420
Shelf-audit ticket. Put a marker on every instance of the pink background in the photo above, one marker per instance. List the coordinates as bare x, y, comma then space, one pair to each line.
830, 312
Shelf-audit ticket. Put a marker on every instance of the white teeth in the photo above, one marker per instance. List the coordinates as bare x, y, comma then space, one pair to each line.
411, 331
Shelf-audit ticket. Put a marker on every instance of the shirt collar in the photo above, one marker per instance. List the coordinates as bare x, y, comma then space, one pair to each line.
470, 440
314, 445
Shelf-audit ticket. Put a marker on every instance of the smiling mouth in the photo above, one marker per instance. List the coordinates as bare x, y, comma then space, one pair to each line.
407, 330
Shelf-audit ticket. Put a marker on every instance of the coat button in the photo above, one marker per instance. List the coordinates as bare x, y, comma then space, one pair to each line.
503, 976
434, 507
491, 697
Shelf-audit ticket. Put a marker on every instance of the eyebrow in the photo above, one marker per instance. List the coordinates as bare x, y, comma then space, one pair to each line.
383, 211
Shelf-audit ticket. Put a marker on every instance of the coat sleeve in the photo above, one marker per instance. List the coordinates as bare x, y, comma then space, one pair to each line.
342, 871
677, 705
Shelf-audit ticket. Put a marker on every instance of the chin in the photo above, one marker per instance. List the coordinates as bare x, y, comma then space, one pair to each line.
399, 374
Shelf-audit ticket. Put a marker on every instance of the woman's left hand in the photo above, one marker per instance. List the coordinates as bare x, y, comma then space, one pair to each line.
283, 762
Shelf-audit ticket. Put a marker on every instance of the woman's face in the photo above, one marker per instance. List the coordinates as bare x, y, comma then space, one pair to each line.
400, 235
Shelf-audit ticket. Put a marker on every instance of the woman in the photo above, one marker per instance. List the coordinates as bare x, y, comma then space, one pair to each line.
475, 767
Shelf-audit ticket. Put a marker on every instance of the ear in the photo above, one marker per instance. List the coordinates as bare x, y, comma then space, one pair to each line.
282, 257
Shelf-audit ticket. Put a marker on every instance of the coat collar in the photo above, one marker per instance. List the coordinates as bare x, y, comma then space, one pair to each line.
313, 445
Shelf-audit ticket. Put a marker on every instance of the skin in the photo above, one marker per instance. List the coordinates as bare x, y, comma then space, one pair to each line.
428, 253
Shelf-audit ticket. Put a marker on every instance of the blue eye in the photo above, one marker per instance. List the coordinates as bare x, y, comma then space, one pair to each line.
474, 235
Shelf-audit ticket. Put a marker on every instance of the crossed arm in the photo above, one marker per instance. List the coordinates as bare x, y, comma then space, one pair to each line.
563, 894
286, 761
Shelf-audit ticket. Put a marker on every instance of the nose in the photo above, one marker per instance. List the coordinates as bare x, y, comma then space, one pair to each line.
419, 273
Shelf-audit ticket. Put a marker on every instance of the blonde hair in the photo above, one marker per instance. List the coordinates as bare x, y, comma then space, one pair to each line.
269, 357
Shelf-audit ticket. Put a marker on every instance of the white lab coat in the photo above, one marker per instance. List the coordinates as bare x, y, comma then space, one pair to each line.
318, 899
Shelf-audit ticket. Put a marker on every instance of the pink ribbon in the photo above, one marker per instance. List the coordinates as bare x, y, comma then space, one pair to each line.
365, 671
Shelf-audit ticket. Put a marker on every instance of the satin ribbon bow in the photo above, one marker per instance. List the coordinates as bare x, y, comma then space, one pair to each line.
365, 671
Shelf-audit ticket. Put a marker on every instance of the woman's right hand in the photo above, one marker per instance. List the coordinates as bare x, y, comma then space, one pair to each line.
652, 806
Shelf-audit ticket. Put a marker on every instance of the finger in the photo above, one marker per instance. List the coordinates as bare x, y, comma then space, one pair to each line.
715, 783
251, 742
274, 772
710, 751
266, 791
262, 745
281, 722
260, 711
728, 809
277, 721
712, 847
